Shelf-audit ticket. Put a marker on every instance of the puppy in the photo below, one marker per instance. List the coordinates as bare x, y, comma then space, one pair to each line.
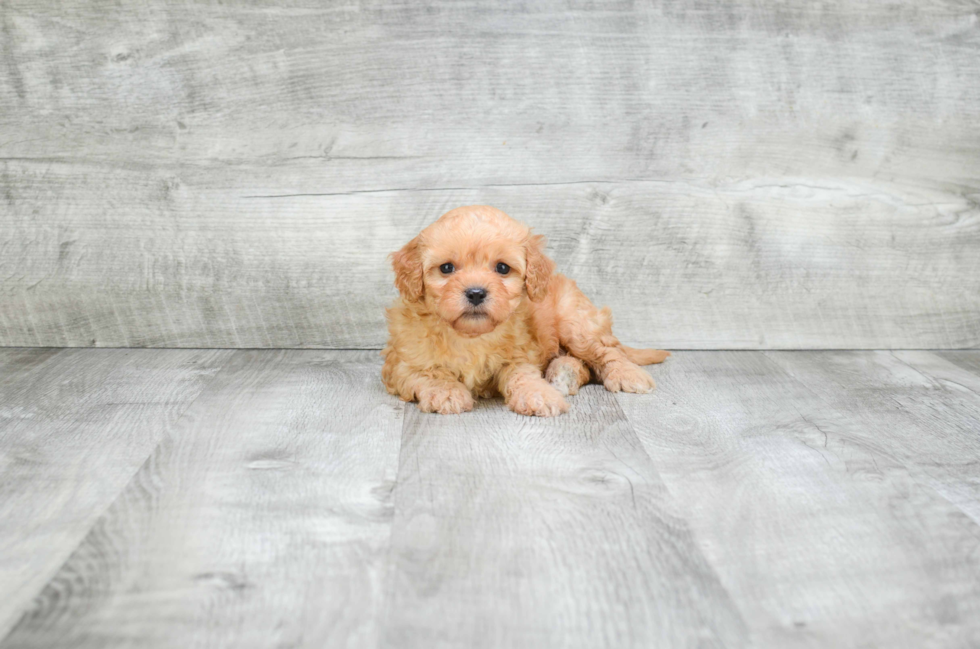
482, 312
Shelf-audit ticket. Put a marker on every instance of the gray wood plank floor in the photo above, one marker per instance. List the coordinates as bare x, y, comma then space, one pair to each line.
178, 498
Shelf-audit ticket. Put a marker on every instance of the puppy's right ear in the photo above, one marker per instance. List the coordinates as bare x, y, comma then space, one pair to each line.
407, 263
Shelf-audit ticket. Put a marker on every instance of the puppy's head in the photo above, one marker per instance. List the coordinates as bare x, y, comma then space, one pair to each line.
473, 267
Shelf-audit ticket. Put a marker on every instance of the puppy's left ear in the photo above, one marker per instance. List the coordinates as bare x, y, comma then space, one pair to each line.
407, 263
539, 268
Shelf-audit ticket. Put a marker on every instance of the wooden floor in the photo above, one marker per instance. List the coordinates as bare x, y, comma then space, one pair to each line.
218, 498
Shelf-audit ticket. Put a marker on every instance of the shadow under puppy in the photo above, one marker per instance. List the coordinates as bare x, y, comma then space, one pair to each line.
482, 313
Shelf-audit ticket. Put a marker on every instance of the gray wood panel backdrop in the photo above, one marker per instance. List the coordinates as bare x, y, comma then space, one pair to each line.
725, 174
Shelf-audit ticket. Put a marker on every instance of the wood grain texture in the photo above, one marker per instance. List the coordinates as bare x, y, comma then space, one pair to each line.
764, 499
75, 425
814, 510
260, 521
738, 175
928, 408
513, 531
969, 360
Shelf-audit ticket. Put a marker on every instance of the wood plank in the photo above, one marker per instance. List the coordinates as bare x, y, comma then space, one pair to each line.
262, 520
741, 176
958, 479
924, 408
512, 531
968, 360
75, 425
809, 498
682, 265
503, 94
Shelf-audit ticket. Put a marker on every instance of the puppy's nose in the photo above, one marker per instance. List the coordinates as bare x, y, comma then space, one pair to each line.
475, 295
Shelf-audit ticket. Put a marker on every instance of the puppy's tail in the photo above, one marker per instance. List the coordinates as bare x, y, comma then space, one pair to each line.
645, 356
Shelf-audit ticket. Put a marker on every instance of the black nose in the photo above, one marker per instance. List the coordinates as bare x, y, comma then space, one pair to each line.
475, 295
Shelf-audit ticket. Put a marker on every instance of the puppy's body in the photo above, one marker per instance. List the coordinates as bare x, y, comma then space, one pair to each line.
447, 345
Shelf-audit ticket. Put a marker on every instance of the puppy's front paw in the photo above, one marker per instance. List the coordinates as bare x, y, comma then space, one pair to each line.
446, 400
538, 400
627, 377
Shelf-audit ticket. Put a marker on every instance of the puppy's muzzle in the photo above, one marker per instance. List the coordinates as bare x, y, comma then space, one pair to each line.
475, 295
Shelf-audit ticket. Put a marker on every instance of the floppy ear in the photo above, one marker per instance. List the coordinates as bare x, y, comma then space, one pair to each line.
407, 263
539, 268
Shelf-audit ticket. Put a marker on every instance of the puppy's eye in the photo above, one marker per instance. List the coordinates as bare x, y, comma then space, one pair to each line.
502, 268
447, 268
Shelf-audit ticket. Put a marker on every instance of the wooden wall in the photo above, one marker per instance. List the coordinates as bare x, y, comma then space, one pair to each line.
723, 174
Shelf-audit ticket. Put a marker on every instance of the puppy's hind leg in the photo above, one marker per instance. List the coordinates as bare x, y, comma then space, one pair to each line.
645, 356
567, 374
586, 332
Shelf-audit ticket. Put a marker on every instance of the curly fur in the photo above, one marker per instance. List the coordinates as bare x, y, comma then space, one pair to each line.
443, 351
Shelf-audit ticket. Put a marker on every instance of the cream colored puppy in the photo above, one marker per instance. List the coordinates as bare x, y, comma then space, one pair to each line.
482, 312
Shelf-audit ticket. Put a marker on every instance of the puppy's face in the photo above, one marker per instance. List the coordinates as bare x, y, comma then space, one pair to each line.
473, 267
